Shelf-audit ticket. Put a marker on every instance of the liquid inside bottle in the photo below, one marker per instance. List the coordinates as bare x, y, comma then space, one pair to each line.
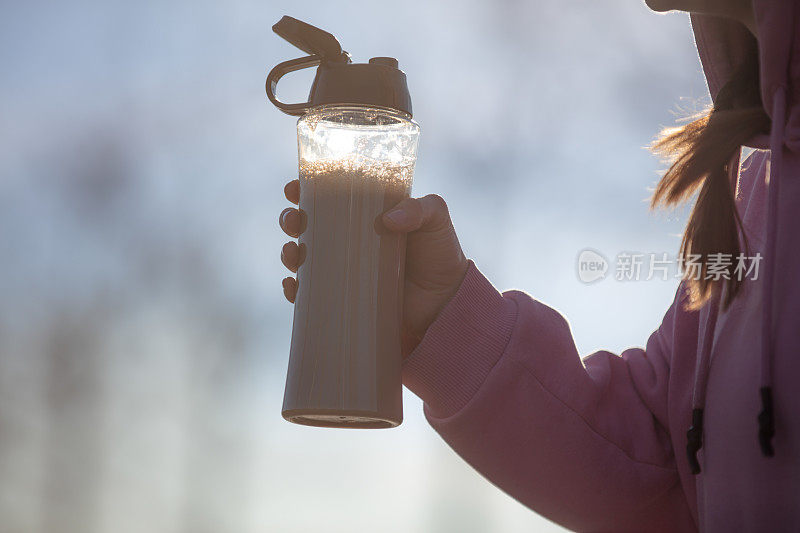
345, 353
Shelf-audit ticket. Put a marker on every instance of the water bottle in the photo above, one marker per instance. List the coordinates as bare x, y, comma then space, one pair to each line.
357, 146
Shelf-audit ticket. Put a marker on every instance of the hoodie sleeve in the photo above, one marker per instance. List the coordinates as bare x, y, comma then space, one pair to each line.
582, 442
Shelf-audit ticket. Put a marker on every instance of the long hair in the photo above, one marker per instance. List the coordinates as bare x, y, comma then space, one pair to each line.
700, 153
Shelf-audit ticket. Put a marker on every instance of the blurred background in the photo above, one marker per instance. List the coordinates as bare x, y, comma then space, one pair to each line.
144, 337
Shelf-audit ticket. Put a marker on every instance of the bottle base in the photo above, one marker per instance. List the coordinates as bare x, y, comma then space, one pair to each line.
338, 418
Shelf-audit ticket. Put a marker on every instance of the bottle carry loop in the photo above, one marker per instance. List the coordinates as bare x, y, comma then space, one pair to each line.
282, 69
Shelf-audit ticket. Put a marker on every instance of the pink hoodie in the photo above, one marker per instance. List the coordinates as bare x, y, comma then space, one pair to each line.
600, 444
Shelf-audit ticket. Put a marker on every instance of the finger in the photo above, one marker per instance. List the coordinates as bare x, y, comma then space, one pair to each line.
292, 191
289, 289
290, 256
428, 213
291, 221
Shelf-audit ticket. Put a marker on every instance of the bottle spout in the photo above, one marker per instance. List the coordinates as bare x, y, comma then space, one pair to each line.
311, 39
320, 45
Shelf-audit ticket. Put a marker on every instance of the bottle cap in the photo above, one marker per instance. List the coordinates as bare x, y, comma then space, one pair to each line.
379, 83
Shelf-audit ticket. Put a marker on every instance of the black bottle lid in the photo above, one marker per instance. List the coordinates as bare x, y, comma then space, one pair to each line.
379, 83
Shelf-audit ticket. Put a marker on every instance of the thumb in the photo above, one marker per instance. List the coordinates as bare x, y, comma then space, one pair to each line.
428, 213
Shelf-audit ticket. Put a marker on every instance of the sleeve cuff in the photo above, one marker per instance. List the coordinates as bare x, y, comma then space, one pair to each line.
462, 346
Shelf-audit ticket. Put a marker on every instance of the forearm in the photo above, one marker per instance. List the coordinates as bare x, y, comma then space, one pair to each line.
504, 386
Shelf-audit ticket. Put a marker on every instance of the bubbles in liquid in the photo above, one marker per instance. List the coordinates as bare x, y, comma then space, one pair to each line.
358, 168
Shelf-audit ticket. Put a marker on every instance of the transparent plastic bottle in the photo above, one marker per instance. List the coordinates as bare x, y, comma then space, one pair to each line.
355, 164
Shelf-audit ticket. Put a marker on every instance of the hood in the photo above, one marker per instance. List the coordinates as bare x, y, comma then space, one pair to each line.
722, 45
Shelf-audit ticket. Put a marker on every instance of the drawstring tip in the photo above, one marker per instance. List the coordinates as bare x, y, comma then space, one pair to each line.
694, 441
766, 423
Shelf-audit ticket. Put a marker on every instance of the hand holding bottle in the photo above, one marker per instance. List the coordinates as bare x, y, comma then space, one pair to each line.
435, 264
